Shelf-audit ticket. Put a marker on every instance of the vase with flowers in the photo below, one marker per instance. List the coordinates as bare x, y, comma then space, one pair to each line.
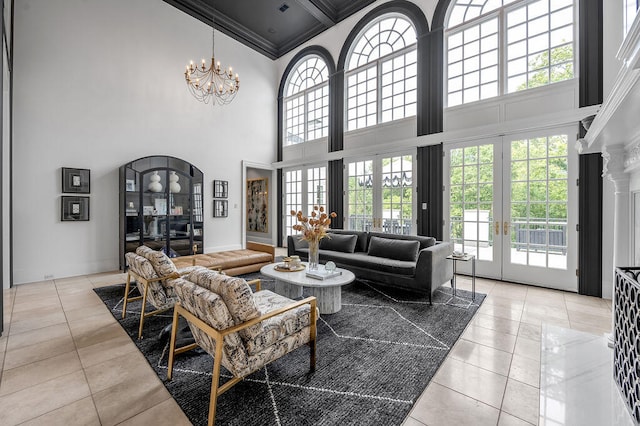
313, 229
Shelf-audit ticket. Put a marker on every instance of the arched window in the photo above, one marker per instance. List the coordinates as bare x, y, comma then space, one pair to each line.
306, 102
381, 73
495, 47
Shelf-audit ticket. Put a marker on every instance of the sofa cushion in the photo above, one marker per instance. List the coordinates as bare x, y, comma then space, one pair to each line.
371, 263
394, 249
339, 242
161, 262
363, 237
424, 241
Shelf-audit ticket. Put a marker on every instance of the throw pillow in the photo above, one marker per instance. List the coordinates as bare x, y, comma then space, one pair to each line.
406, 250
338, 242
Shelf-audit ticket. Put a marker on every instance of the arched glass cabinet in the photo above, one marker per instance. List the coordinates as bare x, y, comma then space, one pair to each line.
161, 206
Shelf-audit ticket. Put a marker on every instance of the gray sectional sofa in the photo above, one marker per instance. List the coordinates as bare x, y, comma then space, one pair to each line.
411, 262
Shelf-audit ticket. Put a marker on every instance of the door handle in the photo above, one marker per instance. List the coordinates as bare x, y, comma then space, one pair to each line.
497, 228
505, 228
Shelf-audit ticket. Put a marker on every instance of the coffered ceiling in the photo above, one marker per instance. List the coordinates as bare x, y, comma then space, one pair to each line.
272, 27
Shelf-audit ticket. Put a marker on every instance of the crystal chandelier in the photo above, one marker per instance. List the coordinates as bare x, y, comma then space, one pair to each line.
212, 82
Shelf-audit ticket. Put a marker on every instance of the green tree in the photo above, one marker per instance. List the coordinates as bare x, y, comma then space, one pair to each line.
550, 67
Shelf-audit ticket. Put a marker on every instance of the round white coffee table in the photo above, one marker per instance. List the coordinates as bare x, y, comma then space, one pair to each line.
328, 292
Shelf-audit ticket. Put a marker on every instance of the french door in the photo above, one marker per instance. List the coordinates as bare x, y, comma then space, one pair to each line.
512, 201
304, 188
380, 194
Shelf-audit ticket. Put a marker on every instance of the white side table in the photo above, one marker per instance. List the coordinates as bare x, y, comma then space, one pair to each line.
464, 258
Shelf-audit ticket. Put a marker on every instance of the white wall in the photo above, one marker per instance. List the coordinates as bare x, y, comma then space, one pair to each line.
101, 84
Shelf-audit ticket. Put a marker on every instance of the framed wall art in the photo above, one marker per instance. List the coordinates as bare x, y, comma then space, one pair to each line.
220, 208
74, 209
76, 180
220, 189
258, 205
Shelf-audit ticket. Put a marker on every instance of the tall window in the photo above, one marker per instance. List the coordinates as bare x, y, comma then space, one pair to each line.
306, 105
496, 47
381, 73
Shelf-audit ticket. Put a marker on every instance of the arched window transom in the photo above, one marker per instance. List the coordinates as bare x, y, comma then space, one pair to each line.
306, 105
495, 47
381, 73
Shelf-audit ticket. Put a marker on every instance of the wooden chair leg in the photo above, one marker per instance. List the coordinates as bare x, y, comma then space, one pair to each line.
144, 305
312, 336
215, 380
126, 295
172, 345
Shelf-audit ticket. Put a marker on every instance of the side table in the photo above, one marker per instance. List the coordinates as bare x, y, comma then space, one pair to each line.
464, 258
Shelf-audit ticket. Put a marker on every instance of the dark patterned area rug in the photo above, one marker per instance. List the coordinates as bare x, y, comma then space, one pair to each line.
374, 359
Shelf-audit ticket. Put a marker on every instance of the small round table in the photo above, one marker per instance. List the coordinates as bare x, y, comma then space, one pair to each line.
328, 291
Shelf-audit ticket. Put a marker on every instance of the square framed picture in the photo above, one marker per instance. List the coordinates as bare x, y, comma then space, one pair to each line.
220, 189
74, 209
76, 180
220, 208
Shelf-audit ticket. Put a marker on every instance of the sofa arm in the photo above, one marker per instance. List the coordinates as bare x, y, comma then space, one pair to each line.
433, 269
291, 248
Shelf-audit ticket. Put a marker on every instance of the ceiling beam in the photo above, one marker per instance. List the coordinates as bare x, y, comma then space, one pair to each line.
321, 14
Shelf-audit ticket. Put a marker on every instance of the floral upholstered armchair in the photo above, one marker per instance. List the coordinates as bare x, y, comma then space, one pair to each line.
243, 331
153, 272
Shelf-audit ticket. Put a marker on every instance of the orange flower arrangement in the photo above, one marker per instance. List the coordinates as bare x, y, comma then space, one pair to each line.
315, 227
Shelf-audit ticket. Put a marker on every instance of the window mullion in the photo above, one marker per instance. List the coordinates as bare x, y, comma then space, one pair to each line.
502, 53
379, 92
306, 115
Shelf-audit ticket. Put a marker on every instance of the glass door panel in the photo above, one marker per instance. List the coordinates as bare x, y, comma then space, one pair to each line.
540, 211
473, 200
360, 193
297, 198
397, 195
379, 196
292, 200
510, 202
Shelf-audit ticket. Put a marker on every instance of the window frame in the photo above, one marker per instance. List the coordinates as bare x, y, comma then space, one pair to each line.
377, 64
501, 14
304, 94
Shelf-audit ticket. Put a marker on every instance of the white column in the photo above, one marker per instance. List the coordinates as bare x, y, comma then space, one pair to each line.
613, 169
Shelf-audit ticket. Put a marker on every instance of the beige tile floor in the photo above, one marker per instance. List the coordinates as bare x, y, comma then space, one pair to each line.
65, 360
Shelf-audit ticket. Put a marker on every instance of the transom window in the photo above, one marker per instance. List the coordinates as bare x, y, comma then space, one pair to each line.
496, 47
306, 105
381, 73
